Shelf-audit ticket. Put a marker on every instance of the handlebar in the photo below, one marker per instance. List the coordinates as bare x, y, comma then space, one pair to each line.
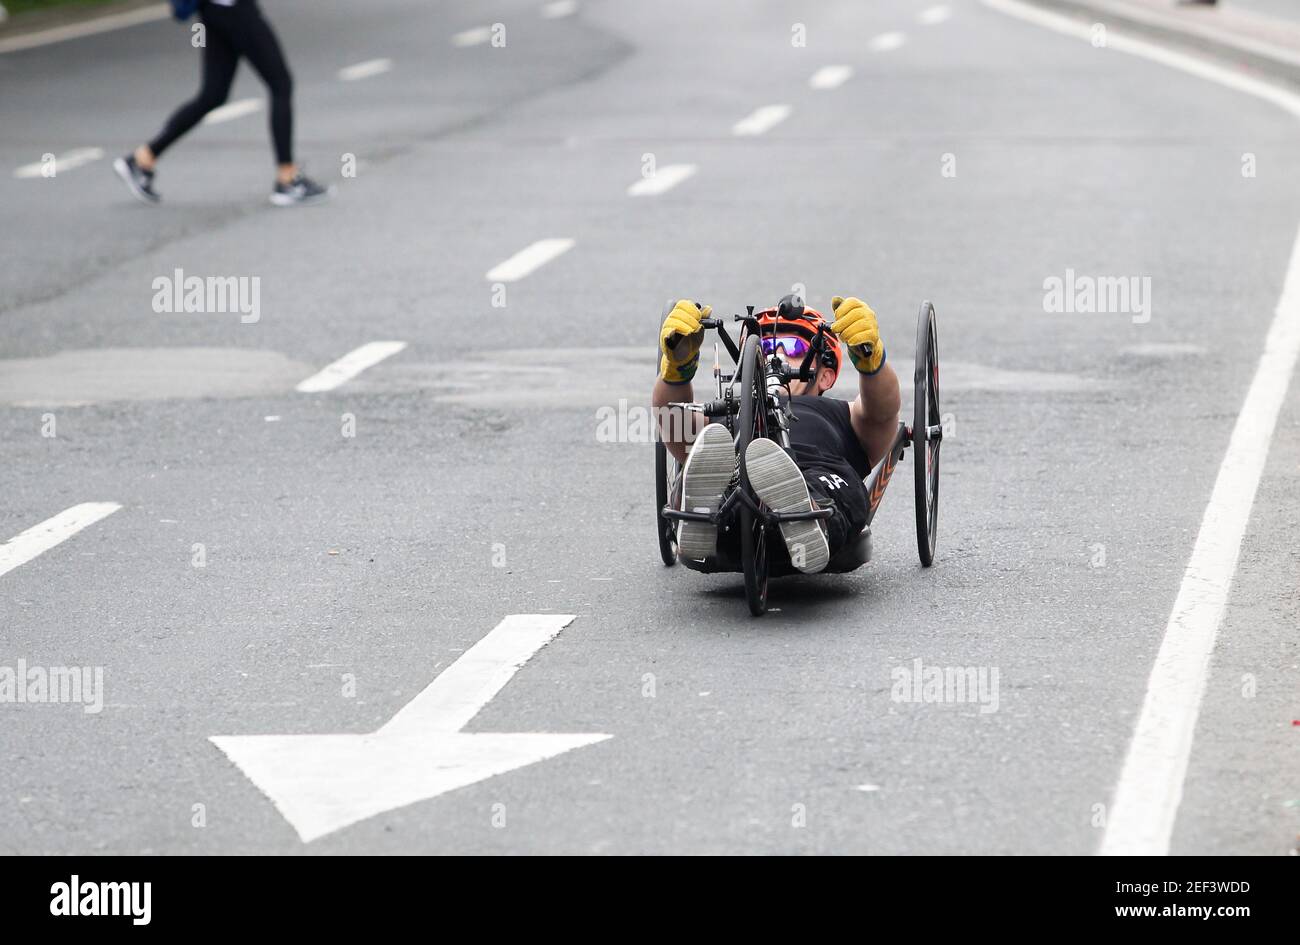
674, 339
712, 322
804, 370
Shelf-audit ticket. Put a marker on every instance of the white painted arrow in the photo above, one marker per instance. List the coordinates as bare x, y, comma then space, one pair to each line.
322, 783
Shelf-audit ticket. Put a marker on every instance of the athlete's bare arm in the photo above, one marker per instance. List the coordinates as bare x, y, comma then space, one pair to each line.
677, 427
874, 413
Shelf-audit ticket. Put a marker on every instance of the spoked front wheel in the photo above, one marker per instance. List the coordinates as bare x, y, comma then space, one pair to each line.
927, 434
752, 425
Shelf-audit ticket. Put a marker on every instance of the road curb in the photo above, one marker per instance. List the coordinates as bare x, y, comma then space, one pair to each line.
1278, 64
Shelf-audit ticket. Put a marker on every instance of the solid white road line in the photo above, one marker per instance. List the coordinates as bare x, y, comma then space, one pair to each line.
531, 257
449, 702
553, 11
1150, 789
830, 77
886, 42
664, 178
1202, 27
1142, 815
38, 539
931, 16
349, 366
761, 120
479, 34
100, 24
364, 70
233, 110
67, 161
1279, 96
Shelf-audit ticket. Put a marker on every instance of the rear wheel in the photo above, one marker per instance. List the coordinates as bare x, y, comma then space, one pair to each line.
665, 473
927, 434
751, 424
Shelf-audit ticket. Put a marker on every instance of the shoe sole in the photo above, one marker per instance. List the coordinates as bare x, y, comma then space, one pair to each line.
124, 172
709, 467
778, 482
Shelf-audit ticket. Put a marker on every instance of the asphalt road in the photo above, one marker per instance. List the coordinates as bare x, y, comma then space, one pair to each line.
1278, 8
1081, 454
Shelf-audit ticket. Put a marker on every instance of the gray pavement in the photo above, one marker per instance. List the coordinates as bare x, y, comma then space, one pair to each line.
1082, 454
1281, 9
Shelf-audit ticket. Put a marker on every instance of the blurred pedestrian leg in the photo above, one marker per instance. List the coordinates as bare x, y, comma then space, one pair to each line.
233, 29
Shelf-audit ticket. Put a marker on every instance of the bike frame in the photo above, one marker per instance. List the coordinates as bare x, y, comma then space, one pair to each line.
878, 478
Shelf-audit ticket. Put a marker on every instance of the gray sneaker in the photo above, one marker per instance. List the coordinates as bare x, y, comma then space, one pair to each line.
709, 468
779, 484
300, 191
137, 179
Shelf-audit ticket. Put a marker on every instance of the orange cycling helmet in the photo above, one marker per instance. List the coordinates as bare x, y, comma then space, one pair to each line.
792, 317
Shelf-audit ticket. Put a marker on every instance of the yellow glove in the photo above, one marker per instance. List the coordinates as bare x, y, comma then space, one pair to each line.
679, 341
855, 323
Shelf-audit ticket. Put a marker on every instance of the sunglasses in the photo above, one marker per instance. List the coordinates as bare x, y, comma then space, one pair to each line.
792, 345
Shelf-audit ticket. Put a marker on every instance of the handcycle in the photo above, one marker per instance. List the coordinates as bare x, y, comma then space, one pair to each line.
753, 401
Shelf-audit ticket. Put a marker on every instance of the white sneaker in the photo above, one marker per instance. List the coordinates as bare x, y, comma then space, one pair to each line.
705, 477
779, 483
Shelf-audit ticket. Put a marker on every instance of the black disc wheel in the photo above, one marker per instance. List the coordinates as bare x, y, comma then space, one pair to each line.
927, 434
665, 474
751, 424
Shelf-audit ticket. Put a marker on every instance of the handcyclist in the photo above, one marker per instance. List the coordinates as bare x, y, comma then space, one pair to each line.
835, 442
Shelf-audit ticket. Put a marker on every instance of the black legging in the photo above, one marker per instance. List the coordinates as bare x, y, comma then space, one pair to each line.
233, 32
